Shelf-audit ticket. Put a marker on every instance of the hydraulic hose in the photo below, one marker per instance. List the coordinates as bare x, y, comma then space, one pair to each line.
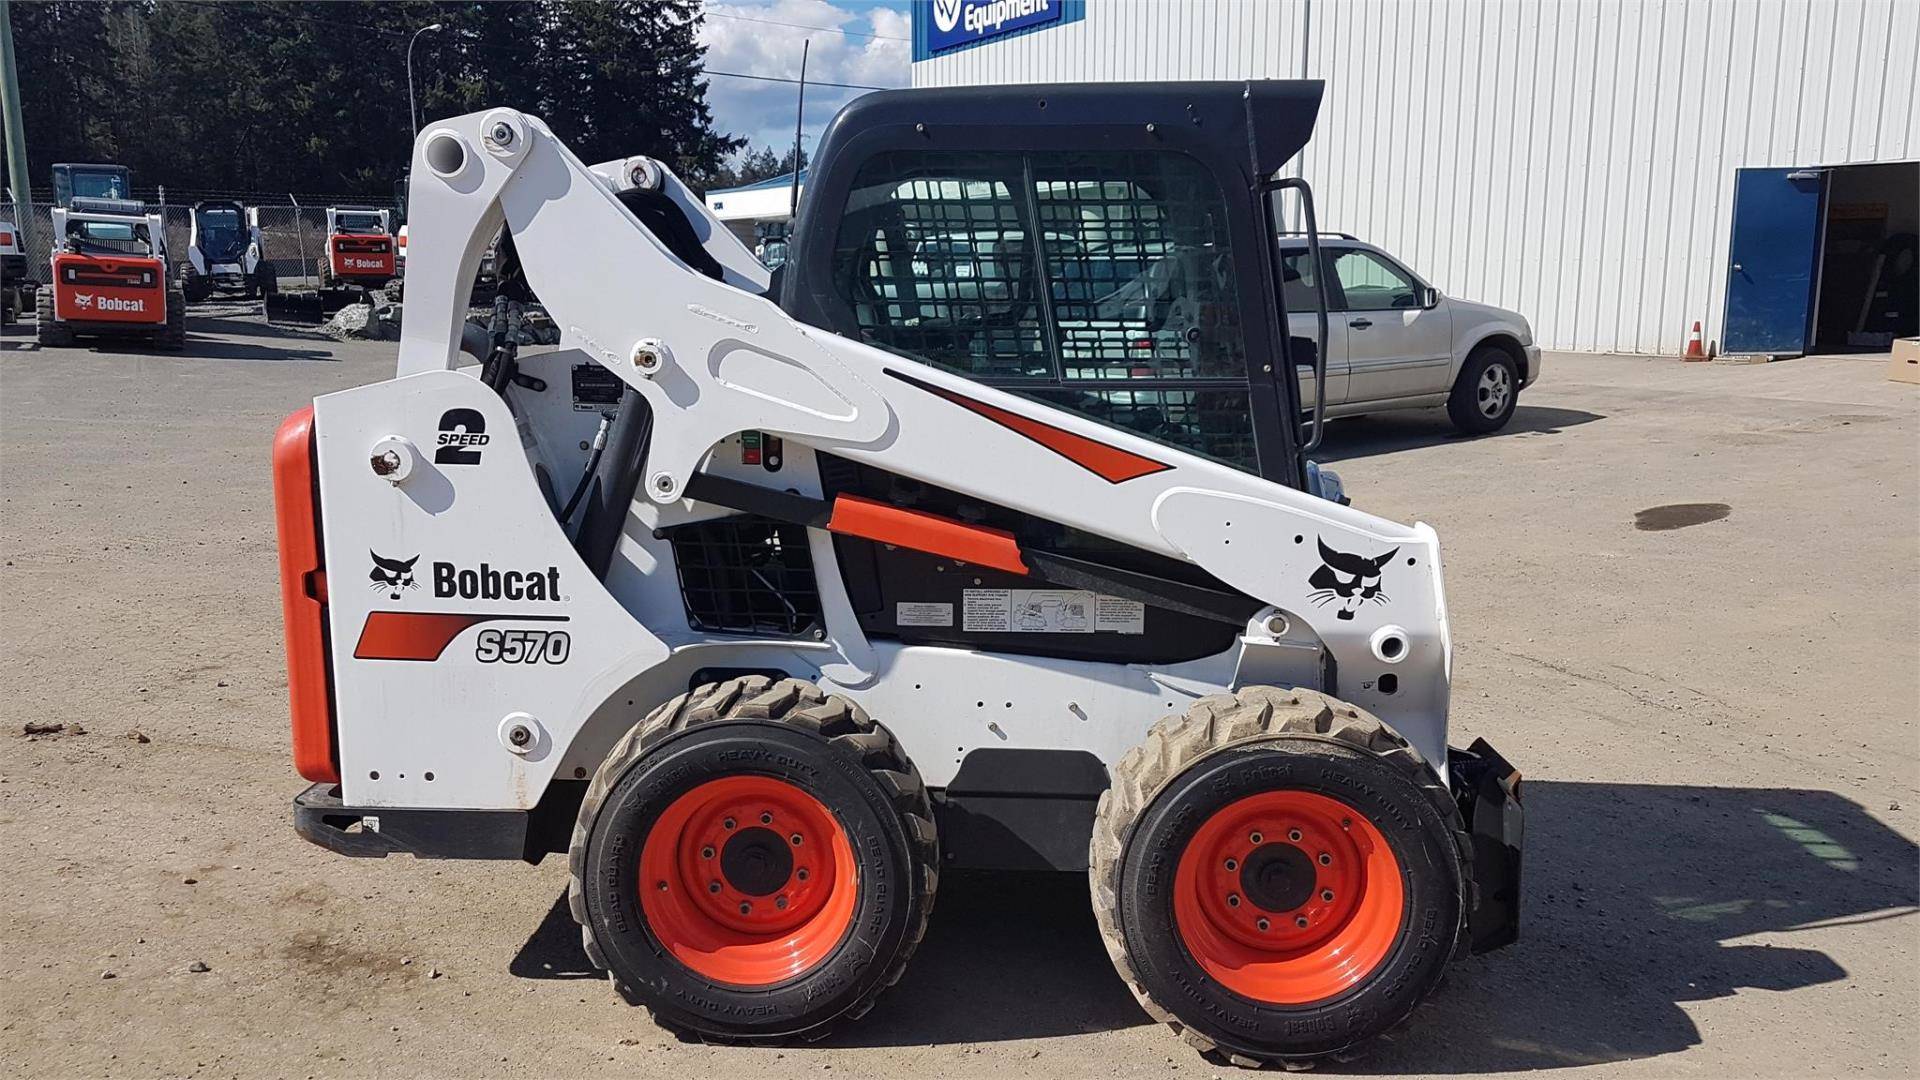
586, 474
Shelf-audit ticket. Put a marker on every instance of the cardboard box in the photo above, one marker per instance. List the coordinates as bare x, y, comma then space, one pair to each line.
1905, 365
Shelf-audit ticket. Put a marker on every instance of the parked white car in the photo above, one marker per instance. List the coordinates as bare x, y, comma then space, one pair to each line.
1395, 342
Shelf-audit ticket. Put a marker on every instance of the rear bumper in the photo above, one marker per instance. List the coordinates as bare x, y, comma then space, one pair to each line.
1487, 789
369, 832
376, 832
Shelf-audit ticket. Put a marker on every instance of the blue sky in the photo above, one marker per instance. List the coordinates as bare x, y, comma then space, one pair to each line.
864, 42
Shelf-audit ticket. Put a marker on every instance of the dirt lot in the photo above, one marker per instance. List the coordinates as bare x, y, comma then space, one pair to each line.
1717, 723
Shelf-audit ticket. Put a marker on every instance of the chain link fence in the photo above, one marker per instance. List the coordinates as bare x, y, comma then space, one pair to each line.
294, 236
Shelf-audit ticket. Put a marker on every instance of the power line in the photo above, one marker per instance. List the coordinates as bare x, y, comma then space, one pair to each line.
710, 13
781, 79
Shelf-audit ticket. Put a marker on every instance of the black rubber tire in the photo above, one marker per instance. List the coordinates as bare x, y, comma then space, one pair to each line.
174, 337
1463, 404
48, 331
791, 730
1228, 746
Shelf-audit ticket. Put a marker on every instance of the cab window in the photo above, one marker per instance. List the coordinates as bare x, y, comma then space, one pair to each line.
1098, 282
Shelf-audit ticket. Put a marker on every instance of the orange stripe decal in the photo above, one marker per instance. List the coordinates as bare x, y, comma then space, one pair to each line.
411, 635
931, 533
1107, 462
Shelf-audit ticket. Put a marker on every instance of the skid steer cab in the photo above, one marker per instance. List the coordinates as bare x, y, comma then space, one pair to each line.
992, 544
108, 277
226, 255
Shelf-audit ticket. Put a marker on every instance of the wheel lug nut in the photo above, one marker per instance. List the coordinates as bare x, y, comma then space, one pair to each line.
1294, 835
1233, 864
1346, 823
663, 886
1262, 924
801, 873
1301, 922
706, 852
1233, 900
795, 838
745, 908
713, 886
1254, 838
780, 902
727, 824
1326, 895
766, 818
1326, 859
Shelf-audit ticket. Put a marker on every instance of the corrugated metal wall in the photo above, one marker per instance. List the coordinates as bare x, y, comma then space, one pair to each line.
1572, 160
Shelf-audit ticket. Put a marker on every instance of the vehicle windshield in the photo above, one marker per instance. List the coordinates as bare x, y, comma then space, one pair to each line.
99, 184
222, 235
358, 223
108, 238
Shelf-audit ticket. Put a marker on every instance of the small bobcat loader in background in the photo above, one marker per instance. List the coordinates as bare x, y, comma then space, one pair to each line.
225, 254
108, 277
769, 610
17, 285
359, 261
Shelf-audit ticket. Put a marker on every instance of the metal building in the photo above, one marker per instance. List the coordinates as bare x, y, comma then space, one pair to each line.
1613, 169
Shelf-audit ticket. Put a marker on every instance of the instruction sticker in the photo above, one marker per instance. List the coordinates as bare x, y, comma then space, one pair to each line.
1050, 611
922, 614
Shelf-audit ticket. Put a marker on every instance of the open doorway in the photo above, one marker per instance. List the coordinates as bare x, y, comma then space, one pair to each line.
1868, 289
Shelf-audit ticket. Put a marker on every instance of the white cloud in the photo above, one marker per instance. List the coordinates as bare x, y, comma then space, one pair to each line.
752, 44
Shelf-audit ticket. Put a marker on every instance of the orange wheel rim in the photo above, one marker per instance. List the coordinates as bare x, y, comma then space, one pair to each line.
1288, 897
748, 881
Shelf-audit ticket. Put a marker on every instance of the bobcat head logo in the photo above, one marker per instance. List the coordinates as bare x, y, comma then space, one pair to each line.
392, 574
1350, 579
83, 299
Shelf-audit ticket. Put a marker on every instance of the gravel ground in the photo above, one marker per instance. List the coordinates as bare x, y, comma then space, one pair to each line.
1717, 723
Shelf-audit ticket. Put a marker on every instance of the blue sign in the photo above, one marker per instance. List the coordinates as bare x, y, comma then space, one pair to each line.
944, 25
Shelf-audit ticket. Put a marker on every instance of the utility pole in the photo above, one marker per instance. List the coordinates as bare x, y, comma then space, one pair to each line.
16, 131
799, 117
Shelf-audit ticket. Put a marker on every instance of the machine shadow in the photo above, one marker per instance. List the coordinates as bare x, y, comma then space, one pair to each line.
1632, 893
1386, 433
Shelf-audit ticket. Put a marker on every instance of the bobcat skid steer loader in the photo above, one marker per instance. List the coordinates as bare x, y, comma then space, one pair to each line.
226, 254
107, 277
766, 626
359, 260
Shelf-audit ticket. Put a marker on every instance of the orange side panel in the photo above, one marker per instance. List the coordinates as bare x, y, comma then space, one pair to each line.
1109, 463
410, 635
931, 533
296, 513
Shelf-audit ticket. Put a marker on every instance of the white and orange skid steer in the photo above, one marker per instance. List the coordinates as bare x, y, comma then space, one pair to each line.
991, 542
107, 277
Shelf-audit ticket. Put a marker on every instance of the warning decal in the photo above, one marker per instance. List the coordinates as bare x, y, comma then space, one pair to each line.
924, 614
1050, 611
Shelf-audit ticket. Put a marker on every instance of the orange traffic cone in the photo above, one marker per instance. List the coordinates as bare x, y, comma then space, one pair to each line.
1696, 350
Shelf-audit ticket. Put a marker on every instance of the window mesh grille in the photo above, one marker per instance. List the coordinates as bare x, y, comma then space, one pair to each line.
746, 575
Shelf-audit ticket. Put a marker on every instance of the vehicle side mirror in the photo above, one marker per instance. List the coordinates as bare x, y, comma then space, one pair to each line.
1429, 297
1305, 351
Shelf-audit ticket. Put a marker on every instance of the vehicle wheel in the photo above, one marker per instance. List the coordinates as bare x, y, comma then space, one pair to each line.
175, 335
1486, 392
1278, 875
395, 291
48, 331
754, 861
